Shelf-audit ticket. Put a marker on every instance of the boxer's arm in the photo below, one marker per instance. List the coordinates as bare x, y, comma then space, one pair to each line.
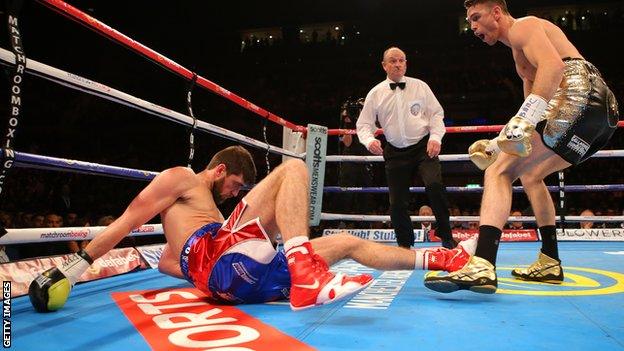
529, 36
527, 86
161, 193
50, 290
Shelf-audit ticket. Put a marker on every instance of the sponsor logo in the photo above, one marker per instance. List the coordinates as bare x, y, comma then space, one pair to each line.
507, 235
415, 108
16, 100
74, 234
144, 229
378, 235
382, 292
315, 162
181, 319
578, 145
242, 272
526, 107
309, 286
118, 261
598, 234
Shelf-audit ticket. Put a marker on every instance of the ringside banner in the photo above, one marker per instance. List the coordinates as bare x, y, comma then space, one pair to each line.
388, 236
591, 234
507, 235
114, 262
378, 235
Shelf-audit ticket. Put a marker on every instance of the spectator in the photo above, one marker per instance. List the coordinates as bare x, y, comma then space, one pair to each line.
425, 211
6, 220
71, 220
38, 221
517, 225
456, 212
53, 220
587, 225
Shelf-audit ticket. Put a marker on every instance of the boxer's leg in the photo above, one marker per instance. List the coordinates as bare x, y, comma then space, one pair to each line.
479, 274
336, 247
280, 202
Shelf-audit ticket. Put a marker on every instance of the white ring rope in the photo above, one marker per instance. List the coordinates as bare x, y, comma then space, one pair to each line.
36, 235
449, 157
386, 218
98, 89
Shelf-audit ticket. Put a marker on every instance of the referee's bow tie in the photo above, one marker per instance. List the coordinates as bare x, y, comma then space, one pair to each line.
401, 85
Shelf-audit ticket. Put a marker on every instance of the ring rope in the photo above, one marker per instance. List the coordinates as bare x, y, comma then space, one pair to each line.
386, 218
117, 37
26, 160
30, 235
451, 130
448, 157
478, 189
94, 88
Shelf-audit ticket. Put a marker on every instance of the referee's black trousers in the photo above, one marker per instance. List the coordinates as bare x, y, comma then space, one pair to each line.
401, 166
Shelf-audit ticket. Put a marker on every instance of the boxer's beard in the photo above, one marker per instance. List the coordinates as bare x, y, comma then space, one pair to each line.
216, 191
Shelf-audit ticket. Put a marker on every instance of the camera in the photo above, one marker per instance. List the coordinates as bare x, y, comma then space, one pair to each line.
349, 112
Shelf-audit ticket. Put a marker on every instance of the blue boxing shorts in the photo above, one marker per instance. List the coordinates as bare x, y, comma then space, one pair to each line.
235, 263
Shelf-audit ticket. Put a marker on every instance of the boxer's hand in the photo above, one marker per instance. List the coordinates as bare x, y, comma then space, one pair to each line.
50, 290
515, 138
433, 148
483, 153
375, 147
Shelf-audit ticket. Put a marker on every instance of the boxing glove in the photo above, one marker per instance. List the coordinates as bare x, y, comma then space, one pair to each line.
483, 153
515, 138
50, 290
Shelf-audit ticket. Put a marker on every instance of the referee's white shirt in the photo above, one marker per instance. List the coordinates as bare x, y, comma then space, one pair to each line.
406, 116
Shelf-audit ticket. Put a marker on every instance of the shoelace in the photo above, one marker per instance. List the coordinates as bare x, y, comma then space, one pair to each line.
319, 263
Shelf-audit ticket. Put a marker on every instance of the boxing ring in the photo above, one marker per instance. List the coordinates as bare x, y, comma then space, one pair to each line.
396, 313
141, 309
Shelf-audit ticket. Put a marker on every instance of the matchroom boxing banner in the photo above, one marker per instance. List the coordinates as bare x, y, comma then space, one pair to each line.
316, 149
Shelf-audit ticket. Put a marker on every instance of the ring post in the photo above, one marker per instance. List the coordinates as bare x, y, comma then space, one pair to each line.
316, 150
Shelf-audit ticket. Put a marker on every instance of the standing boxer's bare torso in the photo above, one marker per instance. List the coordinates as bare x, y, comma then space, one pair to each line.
557, 38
